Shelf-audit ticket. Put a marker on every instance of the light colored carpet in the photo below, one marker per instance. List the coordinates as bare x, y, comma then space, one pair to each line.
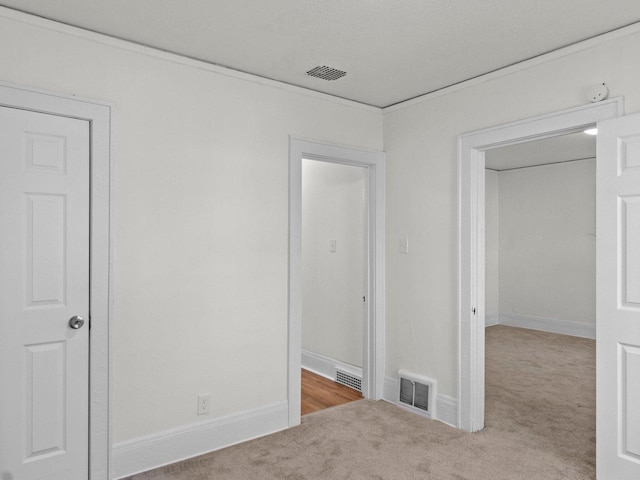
540, 424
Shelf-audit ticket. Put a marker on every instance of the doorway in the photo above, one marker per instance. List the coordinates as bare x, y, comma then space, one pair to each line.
335, 281
540, 291
540, 235
48, 130
373, 328
471, 261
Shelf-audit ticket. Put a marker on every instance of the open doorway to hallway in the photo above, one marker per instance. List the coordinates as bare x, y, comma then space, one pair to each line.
334, 280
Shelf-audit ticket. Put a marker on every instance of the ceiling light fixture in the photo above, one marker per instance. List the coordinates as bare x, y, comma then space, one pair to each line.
591, 131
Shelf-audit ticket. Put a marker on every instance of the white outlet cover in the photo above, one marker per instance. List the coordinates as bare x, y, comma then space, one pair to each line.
204, 404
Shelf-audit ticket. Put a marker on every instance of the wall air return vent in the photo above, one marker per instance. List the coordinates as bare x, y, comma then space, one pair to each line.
326, 73
349, 379
416, 393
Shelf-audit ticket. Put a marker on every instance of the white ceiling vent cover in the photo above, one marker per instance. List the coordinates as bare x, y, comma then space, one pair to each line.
417, 393
326, 73
349, 379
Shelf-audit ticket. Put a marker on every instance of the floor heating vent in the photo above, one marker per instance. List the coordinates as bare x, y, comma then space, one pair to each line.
349, 379
416, 392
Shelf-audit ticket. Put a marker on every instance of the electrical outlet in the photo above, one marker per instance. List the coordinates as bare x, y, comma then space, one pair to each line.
204, 403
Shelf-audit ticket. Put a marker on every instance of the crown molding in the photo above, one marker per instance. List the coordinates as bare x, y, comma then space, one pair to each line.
45, 23
592, 42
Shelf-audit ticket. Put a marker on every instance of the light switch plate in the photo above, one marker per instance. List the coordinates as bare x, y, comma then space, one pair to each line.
404, 245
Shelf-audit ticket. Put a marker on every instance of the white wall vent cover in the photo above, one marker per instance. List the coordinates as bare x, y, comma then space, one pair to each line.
349, 379
417, 393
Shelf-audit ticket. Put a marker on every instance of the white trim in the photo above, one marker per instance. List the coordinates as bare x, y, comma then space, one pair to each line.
177, 444
100, 117
491, 319
390, 393
471, 261
326, 366
552, 325
174, 57
373, 361
446, 410
520, 66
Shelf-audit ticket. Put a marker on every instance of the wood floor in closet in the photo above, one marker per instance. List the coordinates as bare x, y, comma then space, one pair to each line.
319, 393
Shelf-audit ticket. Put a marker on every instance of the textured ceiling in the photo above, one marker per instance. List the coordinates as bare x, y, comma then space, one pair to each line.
392, 50
576, 146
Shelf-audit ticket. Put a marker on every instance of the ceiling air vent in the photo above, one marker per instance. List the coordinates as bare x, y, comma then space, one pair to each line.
417, 393
326, 73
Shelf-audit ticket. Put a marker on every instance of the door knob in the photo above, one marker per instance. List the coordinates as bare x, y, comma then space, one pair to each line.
76, 322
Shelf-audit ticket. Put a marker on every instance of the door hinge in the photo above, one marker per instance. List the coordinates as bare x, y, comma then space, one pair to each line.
364, 299
473, 310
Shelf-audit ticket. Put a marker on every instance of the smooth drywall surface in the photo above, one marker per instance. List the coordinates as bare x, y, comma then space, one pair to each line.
492, 243
333, 260
201, 222
548, 241
420, 141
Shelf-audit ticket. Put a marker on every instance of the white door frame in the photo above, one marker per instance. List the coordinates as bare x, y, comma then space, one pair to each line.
471, 231
373, 364
100, 117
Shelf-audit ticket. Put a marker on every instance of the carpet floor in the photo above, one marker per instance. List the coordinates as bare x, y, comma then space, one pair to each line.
540, 425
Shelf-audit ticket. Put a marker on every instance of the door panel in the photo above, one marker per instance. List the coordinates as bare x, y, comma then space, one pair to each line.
44, 266
44, 280
630, 400
630, 260
618, 299
45, 391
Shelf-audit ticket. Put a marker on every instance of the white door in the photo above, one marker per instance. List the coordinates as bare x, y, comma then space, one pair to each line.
44, 281
618, 299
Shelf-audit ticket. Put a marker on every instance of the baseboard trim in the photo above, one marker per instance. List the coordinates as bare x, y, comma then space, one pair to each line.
446, 407
552, 325
163, 448
390, 390
447, 410
326, 366
491, 319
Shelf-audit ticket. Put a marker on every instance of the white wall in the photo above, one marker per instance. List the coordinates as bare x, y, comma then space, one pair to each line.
540, 242
201, 194
547, 241
201, 189
333, 283
420, 141
492, 244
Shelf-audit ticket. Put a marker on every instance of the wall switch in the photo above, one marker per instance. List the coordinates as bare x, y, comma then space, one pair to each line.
404, 245
332, 246
204, 404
